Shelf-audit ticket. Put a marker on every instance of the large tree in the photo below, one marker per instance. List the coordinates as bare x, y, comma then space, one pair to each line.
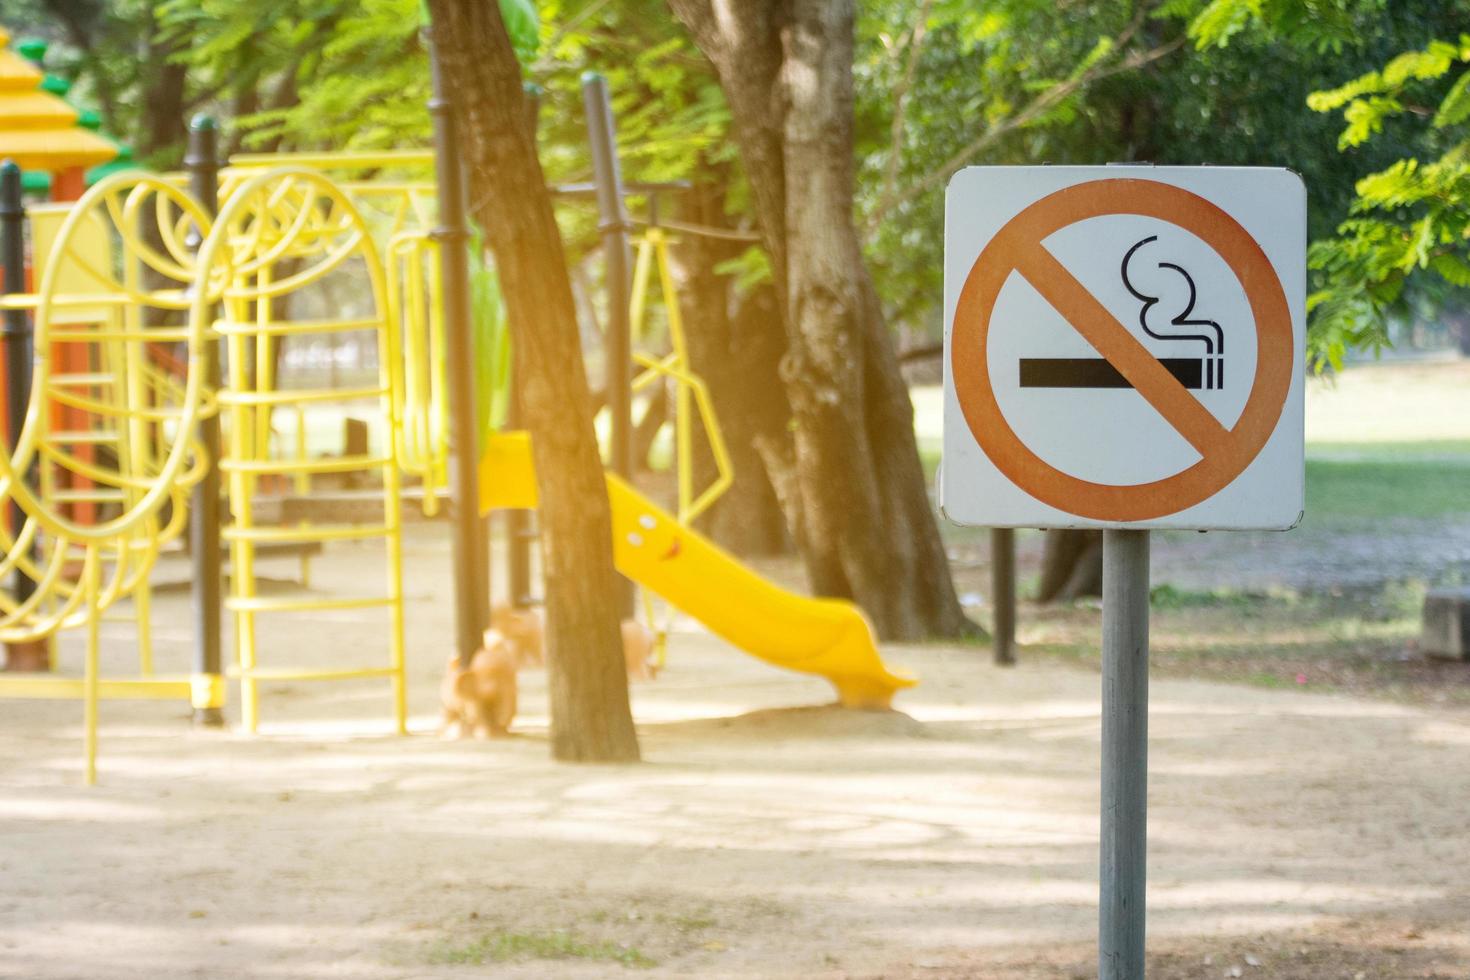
590, 717
854, 483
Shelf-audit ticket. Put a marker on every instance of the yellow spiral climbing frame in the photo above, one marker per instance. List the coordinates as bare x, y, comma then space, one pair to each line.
107, 453
399, 206
279, 232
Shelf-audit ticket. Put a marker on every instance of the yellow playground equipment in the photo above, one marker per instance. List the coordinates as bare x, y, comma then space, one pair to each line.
110, 445
109, 450
660, 551
279, 232
138, 282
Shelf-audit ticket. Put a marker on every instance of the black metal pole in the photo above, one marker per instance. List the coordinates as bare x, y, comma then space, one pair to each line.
1003, 593
202, 163
16, 330
519, 533
613, 223
471, 588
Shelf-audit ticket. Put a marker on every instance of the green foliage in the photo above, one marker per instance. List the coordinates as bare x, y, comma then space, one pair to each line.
1021, 78
1317, 25
1410, 220
1014, 81
672, 120
339, 74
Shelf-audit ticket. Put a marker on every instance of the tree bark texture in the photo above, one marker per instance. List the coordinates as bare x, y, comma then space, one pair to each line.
866, 527
590, 716
1071, 565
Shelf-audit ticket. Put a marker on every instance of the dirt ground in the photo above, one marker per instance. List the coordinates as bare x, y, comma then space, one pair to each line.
1292, 833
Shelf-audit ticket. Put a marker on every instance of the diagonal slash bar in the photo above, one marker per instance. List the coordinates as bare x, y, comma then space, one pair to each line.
1113, 341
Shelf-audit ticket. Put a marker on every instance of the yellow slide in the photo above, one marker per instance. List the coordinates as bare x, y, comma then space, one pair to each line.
816, 636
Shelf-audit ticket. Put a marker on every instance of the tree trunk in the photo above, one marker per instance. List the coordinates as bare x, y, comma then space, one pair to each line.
866, 527
737, 353
590, 717
1071, 565
162, 124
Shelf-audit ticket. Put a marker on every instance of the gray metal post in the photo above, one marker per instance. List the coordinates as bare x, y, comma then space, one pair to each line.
1124, 755
613, 223
1003, 593
202, 163
468, 545
16, 330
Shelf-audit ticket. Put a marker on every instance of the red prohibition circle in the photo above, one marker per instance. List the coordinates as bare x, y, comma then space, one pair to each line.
1225, 453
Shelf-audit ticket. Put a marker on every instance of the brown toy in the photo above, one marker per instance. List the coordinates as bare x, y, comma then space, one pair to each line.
480, 700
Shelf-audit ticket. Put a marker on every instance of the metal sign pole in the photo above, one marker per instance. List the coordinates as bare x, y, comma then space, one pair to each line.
1003, 593
1124, 755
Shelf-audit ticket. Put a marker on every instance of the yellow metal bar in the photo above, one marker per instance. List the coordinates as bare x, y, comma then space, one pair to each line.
323, 464
52, 688
683, 424
143, 603
303, 477
313, 674
350, 159
157, 335
439, 385
242, 551
84, 379
88, 496
298, 396
306, 533
79, 438
642, 267
170, 298
91, 689
388, 354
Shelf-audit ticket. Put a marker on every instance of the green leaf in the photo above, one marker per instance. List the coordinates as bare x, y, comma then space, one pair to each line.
1455, 106
1452, 268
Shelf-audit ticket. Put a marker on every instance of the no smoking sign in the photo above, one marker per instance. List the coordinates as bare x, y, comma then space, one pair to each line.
1124, 347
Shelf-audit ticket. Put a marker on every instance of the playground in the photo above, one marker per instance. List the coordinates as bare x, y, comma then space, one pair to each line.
1309, 828
766, 833
538, 489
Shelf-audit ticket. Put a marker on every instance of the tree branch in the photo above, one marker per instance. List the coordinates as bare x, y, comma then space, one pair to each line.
1040, 104
900, 97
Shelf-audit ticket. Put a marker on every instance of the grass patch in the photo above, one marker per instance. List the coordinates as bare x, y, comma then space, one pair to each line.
503, 947
1171, 597
1423, 450
691, 921
1373, 489
1360, 642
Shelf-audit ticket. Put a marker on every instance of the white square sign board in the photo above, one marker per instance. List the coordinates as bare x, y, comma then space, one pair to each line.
1124, 347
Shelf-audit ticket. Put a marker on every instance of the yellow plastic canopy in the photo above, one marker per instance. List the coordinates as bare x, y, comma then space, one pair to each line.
38, 130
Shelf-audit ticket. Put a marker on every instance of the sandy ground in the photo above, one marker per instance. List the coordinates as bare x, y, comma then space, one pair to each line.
1292, 834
